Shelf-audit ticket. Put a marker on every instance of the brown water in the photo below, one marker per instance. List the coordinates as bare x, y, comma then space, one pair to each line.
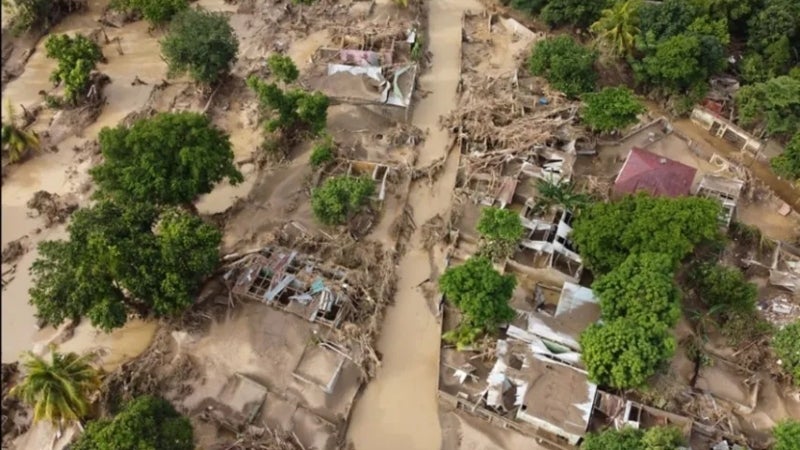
399, 407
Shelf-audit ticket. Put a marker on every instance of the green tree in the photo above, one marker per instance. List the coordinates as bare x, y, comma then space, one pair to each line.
481, 294
618, 26
168, 159
611, 109
787, 164
283, 68
641, 288
663, 438
201, 43
157, 12
566, 65
655, 438
501, 230
787, 435
773, 105
623, 353
559, 193
57, 390
578, 13
774, 21
77, 57
144, 423
339, 198
293, 110
724, 287
122, 259
606, 233
682, 63
529, 6
662, 20
17, 142
322, 153
785, 345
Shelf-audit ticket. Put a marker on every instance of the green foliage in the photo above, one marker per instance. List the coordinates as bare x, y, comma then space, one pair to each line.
579, 13
787, 164
294, 110
655, 438
501, 230
618, 26
642, 289
481, 294
566, 65
144, 423
663, 20
201, 43
745, 328
775, 20
681, 63
322, 153
121, 259
283, 68
168, 159
16, 141
773, 105
606, 233
705, 26
76, 57
624, 353
340, 197
785, 344
559, 193
529, 6
611, 109
156, 12
724, 288
787, 435
57, 390
28, 14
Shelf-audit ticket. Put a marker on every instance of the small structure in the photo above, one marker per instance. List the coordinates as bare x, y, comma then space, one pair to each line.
627, 413
549, 236
320, 366
725, 190
378, 172
785, 270
657, 175
724, 129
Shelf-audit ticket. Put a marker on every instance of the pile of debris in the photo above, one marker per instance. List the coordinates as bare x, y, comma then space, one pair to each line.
15, 419
54, 208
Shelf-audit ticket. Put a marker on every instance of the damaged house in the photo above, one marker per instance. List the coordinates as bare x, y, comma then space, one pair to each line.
725, 190
547, 236
785, 270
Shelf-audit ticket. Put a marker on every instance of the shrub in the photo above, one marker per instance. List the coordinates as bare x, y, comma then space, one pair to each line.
157, 12
787, 435
283, 68
787, 164
340, 197
28, 14
76, 57
611, 109
200, 43
501, 230
293, 110
322, 153
655, 438
567, 65
723, 288
785, 344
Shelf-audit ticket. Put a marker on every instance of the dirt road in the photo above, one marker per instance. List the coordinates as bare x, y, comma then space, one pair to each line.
399, 408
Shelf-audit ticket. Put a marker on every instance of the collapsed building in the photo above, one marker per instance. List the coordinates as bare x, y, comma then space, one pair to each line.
724, 190
785, 269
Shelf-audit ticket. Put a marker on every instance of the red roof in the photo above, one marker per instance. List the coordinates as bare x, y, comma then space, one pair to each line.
645, 171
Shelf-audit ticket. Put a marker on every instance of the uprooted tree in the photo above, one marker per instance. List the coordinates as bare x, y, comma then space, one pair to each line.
168, 159
567, 65
481, 294
121, 259
201, 43
341, 197
501, 230
623, 353
77, 57
606, 233
17, 141
145, 423
611, 109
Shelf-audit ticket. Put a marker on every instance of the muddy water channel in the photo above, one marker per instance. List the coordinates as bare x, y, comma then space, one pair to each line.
130, 52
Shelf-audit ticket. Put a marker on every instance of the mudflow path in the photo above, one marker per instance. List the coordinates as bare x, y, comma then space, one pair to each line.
399, 407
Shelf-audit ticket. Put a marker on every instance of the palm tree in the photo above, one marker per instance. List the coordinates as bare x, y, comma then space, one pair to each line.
57, 390
618, 26
554, 192
16, 141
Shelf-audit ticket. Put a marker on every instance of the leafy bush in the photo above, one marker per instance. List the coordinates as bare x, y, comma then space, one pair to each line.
724, 288
529, 6
606, 233
122, 259
201, 43
16, 141
322, 153
501, 230
76, 57
655, 438
481, 294
144, 423
579, 13
283, 68
611, 109
681, 63
641, 288
787, 435
157, 12
168, 159
787, 164
28, 14
773, 105
340, 197
785, 344
559, 193
624, 353
294, 110
566, 65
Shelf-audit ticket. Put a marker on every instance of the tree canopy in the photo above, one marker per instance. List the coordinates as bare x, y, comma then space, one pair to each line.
322, 153
293, 110
618, 26
723, 287
579, 13
567, 65
501, 229
201, 43
681, 63
340, 197
773, 105
168, 159
144, 423
641, 288
628, 438
787, 164
623, 353
57, 390
481, 294
120, 259
283, 68
787, 435
785, 345
76, 57
157, 12
611, 109
606, 233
